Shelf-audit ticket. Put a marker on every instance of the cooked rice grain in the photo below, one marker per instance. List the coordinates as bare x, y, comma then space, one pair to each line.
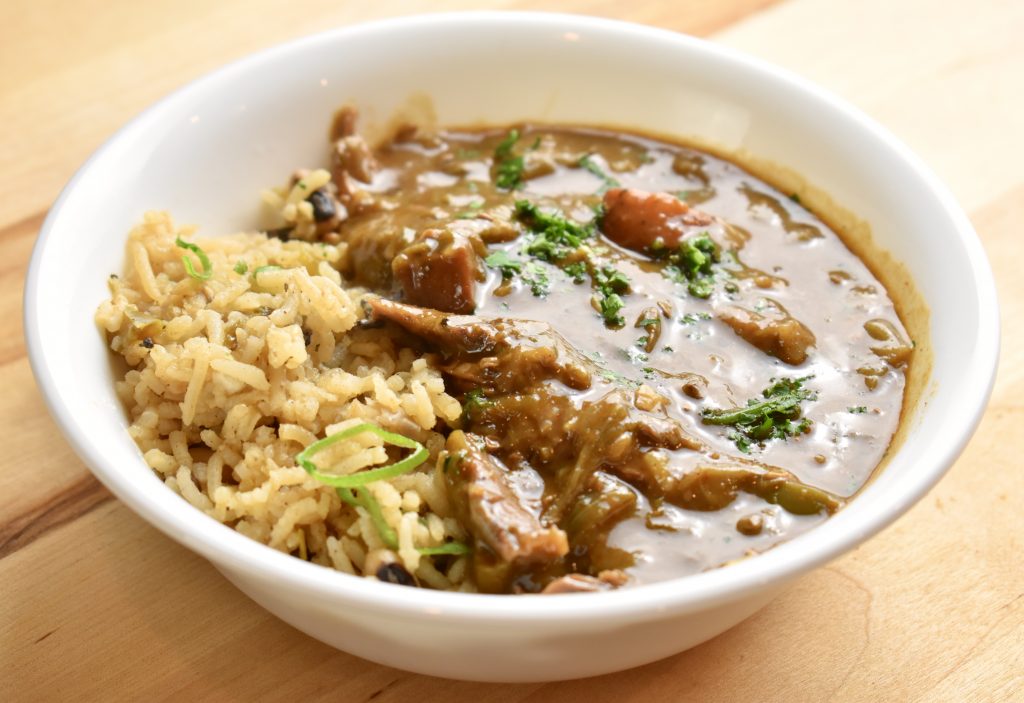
229, 378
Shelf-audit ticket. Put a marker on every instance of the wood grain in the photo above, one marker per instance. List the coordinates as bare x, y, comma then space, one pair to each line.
99, 606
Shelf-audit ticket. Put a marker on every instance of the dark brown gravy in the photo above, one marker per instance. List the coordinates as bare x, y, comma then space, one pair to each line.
789, 257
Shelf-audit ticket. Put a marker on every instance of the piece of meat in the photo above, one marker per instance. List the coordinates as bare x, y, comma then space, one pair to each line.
440, 270
488, 507
771, 329
640, 220
352, 165
503, 354
582, 583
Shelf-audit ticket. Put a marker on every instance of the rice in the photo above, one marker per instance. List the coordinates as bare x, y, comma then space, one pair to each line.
230, 377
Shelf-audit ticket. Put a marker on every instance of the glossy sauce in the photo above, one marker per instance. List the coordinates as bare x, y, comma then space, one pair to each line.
787, 255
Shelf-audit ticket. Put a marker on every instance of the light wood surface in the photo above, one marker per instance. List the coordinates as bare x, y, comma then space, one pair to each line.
97, 605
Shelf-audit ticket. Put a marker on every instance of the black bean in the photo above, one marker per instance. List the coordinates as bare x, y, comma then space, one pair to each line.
395, 573
323, 206
283, 233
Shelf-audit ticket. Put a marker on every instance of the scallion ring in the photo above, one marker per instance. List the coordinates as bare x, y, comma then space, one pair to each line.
383, 473
364, 499
203, 259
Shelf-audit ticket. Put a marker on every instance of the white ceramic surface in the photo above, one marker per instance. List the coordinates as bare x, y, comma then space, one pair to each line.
204, 152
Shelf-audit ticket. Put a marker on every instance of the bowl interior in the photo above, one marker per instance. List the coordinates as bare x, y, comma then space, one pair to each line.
205, 152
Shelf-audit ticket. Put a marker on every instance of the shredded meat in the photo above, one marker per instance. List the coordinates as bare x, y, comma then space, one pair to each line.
485, 502
771, 329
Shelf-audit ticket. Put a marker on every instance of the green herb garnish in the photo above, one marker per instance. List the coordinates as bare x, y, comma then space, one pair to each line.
610, 306
777, 415
577, 271
536, 277
473, 402
241, 267
509, 166
606, 181
609, 282
857, 410
635, 355
503, 262
692, 318
691, 264
204, 260
554, 235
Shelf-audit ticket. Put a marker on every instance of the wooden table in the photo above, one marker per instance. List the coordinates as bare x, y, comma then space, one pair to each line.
97, 605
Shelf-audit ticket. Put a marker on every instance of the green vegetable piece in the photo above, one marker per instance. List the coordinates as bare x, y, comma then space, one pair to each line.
204, 260
241, 268
503, 262
586, 162
474, 402
577, 271
383, 473
508, 166
364, 499
554, 235
610, 306
776, 416
537, 278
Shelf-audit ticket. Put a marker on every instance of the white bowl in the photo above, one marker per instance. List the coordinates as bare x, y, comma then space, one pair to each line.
204, 153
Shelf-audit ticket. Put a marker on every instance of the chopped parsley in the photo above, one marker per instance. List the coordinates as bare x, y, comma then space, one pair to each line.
554, 236
473, 402
691, 264
692, 318
509, 166
536, 277
857, 410
609, 282
635, 355
610, 305
577, 271
586, 162
777, 415
503, 262
647, 322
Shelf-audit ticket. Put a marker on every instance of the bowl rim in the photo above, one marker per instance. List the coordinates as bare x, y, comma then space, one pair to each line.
241, 555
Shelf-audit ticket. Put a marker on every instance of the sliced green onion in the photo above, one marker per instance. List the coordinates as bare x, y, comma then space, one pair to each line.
347, 485
203, 259
447, 548
364, 499
383, 473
